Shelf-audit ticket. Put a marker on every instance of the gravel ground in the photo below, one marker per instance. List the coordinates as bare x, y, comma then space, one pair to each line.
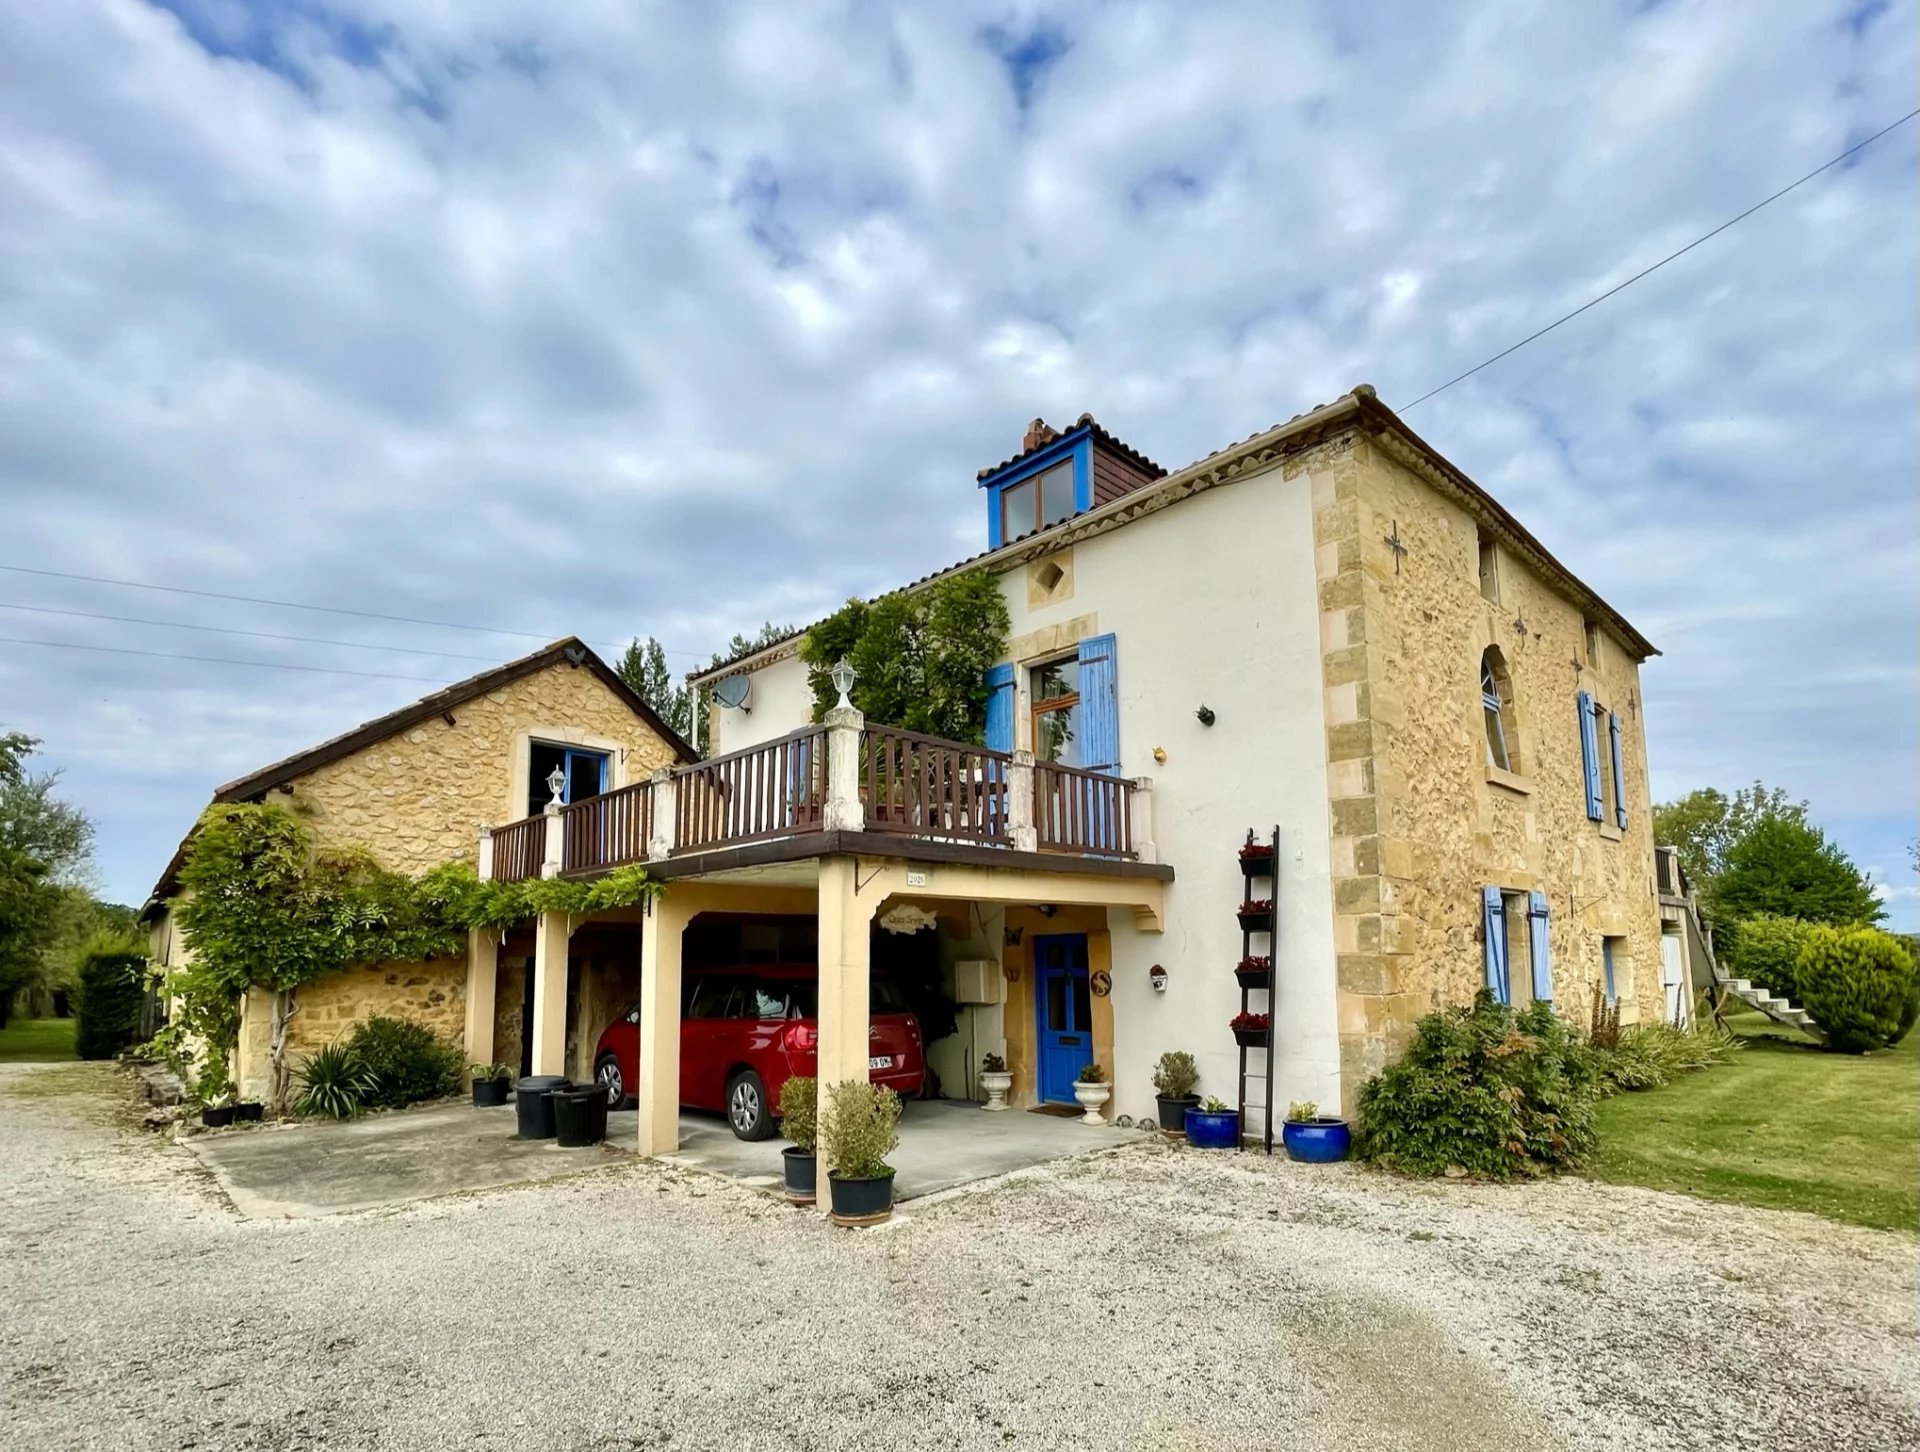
1147, 1297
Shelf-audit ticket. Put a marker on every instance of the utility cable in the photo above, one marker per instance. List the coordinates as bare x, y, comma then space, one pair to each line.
1622, 287
272, 665
256, 634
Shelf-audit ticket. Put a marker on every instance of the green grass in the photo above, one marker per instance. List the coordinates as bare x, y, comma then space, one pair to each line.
36, 1041
1782, 1124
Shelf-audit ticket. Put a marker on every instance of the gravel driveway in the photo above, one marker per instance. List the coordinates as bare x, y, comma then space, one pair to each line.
1144, 1298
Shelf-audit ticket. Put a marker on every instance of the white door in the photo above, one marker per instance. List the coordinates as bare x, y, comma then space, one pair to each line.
1673, 978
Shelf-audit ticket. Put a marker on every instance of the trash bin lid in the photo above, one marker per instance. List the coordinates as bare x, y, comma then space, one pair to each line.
541, 1083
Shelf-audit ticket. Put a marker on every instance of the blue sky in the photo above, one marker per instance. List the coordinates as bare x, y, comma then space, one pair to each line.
606, 319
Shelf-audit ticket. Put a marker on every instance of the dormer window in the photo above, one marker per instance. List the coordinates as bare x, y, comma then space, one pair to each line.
1035, 503
1057, 475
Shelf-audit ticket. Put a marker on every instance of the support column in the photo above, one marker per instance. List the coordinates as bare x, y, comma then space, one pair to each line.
845, 987
658, 1091
550, 994
1022, 836
483, 964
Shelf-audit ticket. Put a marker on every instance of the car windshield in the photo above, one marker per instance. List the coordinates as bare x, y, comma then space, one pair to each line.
805, 998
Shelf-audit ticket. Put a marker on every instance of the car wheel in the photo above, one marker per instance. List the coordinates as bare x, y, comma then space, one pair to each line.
606, 1073
747, 1108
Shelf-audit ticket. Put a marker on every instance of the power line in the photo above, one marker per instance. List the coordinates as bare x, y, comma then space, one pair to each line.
256, 634
323, 609
272, 665
1621, 287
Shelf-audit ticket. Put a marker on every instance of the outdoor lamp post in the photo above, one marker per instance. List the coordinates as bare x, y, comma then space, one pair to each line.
556, 783
842, 677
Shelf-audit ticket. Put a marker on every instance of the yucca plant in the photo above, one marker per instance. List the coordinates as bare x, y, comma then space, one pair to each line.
333, 1083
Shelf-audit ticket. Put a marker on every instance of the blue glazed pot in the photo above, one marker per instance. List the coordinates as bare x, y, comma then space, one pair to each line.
1320, 1143
1213, 1131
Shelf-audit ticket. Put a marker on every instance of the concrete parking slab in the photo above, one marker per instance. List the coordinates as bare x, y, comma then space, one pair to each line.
304, 1170
942, 1144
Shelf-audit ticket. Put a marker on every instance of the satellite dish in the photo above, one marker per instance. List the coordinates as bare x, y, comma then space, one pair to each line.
732, 691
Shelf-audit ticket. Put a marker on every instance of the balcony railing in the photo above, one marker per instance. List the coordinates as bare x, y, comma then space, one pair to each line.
842, 777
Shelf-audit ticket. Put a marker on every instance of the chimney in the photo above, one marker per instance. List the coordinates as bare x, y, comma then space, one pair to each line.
1038, 436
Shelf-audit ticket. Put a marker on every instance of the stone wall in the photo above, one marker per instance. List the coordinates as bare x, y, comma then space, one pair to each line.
433, 994
1421, 822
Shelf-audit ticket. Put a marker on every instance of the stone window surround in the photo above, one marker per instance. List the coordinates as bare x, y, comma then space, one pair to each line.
559, 736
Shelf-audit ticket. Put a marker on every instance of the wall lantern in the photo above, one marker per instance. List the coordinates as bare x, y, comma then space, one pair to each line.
1157, 976
1205, 715
842, 676
556, 783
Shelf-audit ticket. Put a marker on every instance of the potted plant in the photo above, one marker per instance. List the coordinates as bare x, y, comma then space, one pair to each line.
249, 1111
1256, 858
1092, 1091
862, 1129
799, 1126
1250, 1030
1213, 1125
1313, 1137
214, 1092
995, 1081
490, 1084
1173, 1080
1254, 971
1256, 913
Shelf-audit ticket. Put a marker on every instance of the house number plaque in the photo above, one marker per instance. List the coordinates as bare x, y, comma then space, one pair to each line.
1101, 983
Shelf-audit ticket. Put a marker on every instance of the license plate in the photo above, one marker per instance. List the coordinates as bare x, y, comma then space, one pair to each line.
880, 1061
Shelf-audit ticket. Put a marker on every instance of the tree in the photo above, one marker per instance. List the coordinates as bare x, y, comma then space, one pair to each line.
644, 669
45, 846
1786, 866
1704, 824
1859, 985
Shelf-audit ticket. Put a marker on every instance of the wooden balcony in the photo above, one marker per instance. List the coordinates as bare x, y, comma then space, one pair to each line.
842, 778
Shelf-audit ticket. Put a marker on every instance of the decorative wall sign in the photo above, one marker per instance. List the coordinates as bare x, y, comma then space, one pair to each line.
1012, 970
906, 918
1101, 983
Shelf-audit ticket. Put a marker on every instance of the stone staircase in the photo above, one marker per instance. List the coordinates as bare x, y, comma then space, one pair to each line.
1780, 1010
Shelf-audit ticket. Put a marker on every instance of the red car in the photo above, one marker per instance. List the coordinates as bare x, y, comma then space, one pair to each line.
745, 1031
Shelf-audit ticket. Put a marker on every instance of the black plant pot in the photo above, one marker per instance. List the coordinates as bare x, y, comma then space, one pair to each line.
1173, 1112
490, 1093
580, 1115
799, 1167
860, 1202
248, 1113
1254, 977
1251, 1038
217, 1116
1260, 864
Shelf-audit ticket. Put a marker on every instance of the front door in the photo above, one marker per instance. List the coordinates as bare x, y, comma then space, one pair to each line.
1065, 1010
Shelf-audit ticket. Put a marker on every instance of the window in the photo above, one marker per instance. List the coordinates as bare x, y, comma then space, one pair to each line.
1496, 707
1604, 764
1517, 946
1609, 961
585, 772
1035, 503
1055, 693
1489, 568
1593, 644
710, 998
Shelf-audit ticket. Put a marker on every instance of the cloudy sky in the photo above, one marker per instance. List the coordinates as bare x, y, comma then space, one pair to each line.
609, 318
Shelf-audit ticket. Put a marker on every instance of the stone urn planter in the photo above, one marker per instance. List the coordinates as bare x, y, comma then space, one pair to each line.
1092, 1098
995, 1081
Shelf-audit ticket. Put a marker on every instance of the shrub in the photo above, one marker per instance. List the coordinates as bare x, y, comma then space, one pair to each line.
800, 1112
1764, 950
1859, 985
112, 987
862, 1129
213, 1085
1175, 1075
403, 1061
1091, 1074
333, 1083
1654, 1054
1486, 1091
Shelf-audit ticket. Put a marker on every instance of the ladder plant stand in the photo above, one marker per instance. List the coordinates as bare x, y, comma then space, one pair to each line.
1259, 916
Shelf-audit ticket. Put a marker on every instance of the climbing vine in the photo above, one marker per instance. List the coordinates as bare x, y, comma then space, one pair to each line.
459, 896
920, 658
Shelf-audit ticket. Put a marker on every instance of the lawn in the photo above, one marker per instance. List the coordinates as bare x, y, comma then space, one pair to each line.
36, 1040
1782, 1124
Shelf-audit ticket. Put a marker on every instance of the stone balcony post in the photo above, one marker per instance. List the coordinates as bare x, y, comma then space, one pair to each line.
1145, 849
484, 859
844, 810
1022, 836
556, 844
661, 814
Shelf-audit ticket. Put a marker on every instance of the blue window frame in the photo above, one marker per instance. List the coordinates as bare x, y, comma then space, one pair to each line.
586, 773
1030, 495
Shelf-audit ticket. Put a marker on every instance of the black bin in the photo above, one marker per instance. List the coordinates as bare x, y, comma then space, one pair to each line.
533, 1104
580, 1114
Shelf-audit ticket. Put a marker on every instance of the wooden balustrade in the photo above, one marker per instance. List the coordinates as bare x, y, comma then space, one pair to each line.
609, 830
776, 789
923, 786
519, 848
1075, 810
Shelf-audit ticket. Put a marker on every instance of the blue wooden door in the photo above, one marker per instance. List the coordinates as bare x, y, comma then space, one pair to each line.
1064, 1008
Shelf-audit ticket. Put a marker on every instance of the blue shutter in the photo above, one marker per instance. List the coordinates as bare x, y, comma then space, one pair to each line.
1606, 964
1541, 951
1590, 755
1619, 772
1496, 935
1099, 706
1000, 708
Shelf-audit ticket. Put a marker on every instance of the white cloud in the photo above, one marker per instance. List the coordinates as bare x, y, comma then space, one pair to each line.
596, 318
